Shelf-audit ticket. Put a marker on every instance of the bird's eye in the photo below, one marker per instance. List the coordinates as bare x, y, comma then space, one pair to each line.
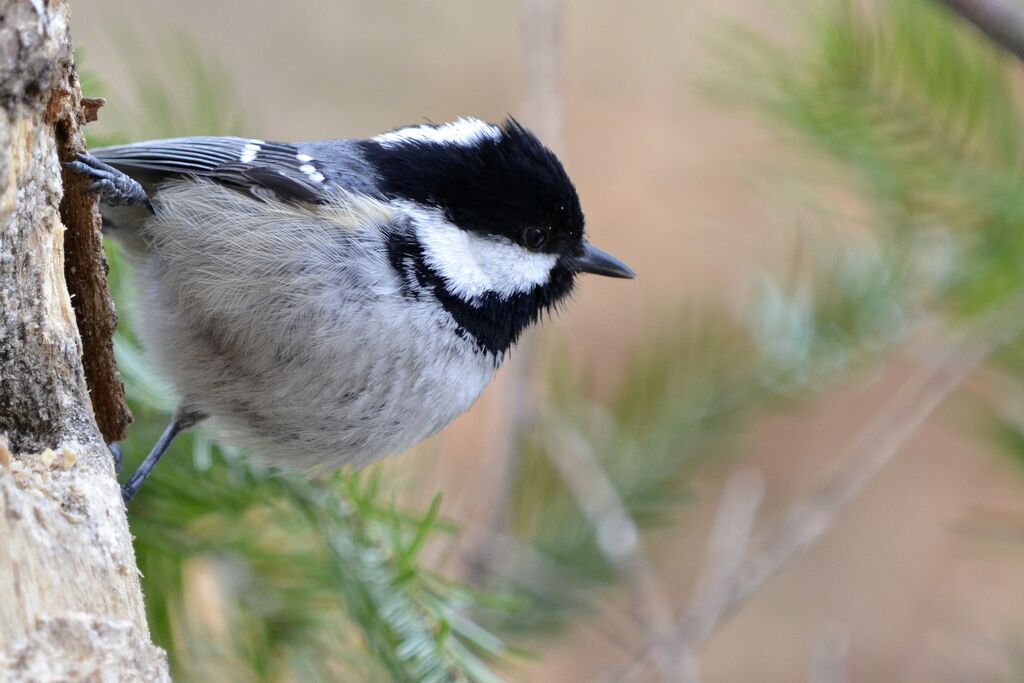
534, 238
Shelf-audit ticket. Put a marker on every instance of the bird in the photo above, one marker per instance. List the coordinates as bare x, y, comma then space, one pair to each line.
327, 303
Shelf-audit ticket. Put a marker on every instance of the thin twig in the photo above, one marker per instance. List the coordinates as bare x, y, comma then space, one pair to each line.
877, 442
730, 534
518, 562
830, 655
727, 543
542, 67
875, 445
617, 537
1001, 20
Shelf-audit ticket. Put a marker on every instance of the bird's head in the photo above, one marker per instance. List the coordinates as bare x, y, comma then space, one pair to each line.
497, 229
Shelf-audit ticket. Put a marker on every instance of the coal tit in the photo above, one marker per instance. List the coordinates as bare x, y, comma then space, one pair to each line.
328, 303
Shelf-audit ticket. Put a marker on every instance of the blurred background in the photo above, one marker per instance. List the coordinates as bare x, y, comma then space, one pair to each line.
790, 450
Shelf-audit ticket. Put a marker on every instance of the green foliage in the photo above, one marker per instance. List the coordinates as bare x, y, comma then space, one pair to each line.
921, 111
317, 579
924, 116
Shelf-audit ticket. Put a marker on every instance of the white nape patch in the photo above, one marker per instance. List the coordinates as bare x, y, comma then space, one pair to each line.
461, 131
251, 149
473, 265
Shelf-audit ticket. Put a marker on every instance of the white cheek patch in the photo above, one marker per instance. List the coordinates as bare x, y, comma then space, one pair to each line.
462, 131
473, 265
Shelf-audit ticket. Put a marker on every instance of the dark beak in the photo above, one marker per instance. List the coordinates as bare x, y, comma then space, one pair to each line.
598, 262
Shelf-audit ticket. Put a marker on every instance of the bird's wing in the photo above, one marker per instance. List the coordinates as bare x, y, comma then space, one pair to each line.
254, 165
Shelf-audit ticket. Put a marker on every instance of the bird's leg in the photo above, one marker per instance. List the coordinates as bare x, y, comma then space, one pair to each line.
117, 455
114, 187
181, 421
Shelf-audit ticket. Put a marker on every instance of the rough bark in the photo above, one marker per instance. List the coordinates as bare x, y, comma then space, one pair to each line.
70, 601
86, 267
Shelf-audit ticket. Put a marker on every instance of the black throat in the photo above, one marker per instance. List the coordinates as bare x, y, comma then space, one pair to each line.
494, 323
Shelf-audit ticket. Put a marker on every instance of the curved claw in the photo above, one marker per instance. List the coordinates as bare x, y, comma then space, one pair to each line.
113, 186
101, 185
81, 168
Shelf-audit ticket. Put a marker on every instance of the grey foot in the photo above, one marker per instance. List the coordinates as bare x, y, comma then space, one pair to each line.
183, 419
117, 455
114, 187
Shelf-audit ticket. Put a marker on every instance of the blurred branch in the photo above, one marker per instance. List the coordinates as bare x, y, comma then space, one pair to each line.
830, 654
550, 579
542, 63
618, 539
730, 533
878, 441
941, 372
727, 543
1000, 20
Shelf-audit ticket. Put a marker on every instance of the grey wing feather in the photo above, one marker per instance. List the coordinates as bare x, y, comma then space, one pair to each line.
280, 180
254, 165
198, 155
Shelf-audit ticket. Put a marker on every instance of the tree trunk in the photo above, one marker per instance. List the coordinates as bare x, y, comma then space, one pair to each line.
70, 601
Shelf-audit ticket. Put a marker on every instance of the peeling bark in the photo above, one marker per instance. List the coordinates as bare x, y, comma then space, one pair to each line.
70, 601
85, 265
